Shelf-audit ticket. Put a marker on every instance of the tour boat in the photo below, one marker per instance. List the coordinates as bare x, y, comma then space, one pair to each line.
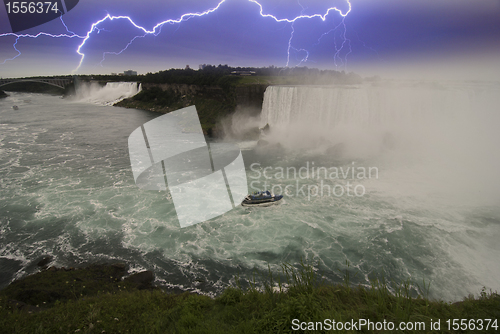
261, 198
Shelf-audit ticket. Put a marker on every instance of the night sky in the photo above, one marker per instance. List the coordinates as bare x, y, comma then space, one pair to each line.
455, 39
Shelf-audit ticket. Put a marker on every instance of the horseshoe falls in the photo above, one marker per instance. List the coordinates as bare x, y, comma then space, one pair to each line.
433, 211
398, 179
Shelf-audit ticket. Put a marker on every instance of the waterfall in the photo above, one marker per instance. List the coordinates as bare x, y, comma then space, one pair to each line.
109, 94
447, 130
369, 115
331, 106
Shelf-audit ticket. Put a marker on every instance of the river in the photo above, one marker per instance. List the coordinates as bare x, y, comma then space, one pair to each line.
67, 191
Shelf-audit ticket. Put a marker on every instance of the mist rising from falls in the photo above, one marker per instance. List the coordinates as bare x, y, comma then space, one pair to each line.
109, 94
436, 149
444, 132
364, 111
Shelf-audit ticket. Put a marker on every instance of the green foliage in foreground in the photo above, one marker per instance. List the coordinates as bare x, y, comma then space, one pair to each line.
267, 310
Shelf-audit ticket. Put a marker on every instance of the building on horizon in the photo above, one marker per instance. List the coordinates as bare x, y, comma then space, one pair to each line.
129, 72
202, 66
243, 73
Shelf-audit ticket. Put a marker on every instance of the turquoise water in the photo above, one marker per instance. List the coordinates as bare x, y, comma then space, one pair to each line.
67, 190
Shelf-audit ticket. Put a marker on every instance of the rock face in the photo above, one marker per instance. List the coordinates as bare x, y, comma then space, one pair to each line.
266, 129
119, 266
245, 95
44, 262
60, 284
143, 279
213, 103
250, 96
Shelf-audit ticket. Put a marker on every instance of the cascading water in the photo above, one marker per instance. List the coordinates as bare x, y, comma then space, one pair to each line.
365, 117
109, 94
329, 106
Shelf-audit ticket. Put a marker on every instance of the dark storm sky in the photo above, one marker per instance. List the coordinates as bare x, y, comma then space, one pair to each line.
378, 36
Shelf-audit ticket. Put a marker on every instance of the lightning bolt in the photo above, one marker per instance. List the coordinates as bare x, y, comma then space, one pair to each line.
18, 36
338, 50
290, 43
185, 17
296, 50
292, 21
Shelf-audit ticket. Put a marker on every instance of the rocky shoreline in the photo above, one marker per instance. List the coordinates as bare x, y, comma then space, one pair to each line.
52, 285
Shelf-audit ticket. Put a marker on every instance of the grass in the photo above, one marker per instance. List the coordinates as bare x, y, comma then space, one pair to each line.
266, 307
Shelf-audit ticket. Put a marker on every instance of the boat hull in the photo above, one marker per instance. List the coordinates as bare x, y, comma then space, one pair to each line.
262, 203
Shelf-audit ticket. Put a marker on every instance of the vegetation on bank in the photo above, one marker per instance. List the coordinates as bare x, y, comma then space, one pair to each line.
212, 105
225, 76
99, 302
